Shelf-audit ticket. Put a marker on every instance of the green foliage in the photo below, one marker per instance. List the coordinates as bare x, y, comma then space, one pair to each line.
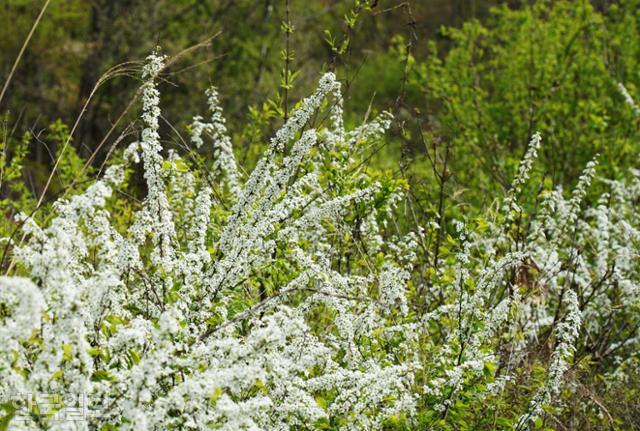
71, 170
23, 179
552, 67
16, 197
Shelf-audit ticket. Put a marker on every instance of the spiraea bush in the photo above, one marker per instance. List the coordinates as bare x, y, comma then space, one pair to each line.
291, 297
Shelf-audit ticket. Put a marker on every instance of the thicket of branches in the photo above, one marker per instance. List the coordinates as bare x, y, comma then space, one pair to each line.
465, 259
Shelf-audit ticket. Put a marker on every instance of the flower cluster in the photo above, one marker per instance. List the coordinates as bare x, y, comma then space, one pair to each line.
182, 322
291, 297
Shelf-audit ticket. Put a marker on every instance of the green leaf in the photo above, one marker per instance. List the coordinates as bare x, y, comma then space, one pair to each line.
322, 403
215, 396
67, 352
538, 422
102, 375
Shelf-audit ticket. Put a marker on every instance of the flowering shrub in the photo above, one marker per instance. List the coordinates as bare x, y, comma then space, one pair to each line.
289, 298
